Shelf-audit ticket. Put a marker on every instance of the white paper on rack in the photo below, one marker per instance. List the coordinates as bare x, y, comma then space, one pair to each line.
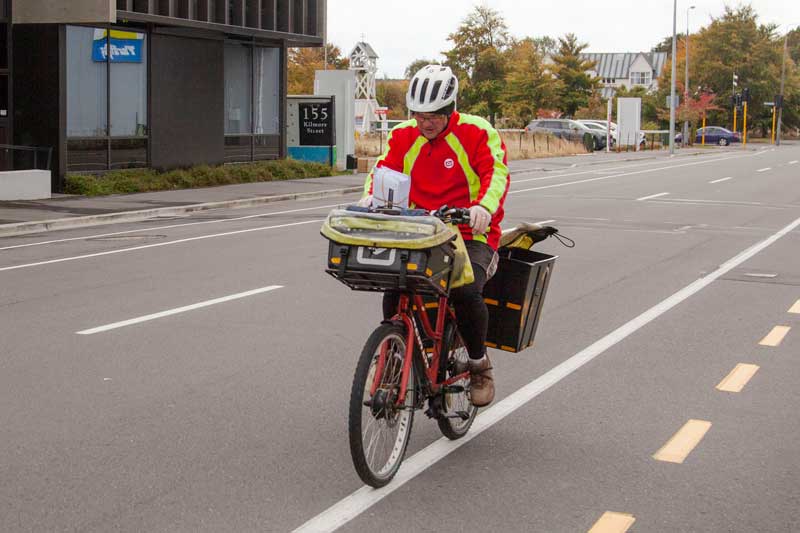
385, 180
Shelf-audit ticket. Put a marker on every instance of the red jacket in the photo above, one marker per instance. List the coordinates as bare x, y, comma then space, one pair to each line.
465, 165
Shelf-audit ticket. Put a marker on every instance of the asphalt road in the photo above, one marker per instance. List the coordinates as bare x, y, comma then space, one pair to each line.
126, 407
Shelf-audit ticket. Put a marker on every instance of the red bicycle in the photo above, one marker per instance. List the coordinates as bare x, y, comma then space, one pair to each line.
416, 359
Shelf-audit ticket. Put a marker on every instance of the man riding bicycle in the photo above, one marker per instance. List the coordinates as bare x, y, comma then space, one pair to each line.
457, 160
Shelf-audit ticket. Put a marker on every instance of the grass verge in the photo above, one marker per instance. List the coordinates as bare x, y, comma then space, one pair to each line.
145, 179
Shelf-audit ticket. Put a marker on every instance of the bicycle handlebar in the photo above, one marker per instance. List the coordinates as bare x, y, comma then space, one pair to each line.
455, 215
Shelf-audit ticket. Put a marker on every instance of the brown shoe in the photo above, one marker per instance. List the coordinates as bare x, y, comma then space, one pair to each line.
481, 381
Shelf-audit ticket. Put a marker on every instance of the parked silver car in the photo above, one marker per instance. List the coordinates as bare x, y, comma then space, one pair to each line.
571, 130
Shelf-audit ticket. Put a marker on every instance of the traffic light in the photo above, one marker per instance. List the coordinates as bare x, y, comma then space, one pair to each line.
778, 101
746, 94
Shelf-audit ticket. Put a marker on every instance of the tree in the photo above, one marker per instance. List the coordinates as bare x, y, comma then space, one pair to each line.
528, 87
392, 94
303, 62
418, 64
477, 59
571, 70
751, 50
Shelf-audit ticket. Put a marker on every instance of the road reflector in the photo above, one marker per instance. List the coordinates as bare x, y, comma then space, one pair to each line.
738, 378
683, 442
613, 523
775, 337
795, 308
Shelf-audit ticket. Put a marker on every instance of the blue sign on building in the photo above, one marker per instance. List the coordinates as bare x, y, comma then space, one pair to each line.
123, 50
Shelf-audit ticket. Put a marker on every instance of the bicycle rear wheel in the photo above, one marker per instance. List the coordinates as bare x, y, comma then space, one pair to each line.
458, 413
379, 429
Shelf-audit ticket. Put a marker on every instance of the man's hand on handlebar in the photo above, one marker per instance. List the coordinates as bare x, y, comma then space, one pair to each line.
479, 219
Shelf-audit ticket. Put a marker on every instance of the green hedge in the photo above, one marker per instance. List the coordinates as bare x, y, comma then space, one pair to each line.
144, 180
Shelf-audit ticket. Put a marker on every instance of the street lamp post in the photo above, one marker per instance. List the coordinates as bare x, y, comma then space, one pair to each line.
685, 136
783, 79
672, 83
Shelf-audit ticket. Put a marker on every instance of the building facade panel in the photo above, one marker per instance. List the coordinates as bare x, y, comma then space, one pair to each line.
187, 100
59, 11
162, 83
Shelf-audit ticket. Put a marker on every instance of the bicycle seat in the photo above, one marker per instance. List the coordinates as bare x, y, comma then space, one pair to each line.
525, 235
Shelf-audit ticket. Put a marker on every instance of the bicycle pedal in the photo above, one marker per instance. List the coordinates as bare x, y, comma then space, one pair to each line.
453, 389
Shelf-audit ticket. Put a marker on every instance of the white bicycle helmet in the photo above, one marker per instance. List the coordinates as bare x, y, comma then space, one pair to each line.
432, 88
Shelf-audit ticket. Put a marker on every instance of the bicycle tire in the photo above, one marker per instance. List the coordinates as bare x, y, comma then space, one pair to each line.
364, 447
453, 352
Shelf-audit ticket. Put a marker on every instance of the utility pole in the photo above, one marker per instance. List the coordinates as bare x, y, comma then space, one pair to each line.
685, 136
672, 88
783, 79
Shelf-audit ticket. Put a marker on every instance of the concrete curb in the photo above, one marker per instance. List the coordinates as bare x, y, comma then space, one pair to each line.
25, 228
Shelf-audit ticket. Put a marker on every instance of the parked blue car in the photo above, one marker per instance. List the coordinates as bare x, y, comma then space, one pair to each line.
714, 135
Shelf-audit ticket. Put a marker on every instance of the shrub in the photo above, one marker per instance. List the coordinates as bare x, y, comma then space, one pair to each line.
143, 180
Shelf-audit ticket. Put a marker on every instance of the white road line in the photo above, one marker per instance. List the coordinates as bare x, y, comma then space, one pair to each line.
793, 162
592, 171
158, 228
111, 252
145, 246
764, 169
628, 174
365, 497
721, 180
177, 310
651, 196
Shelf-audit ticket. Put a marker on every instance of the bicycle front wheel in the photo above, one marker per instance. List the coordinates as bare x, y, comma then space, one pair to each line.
379, 428
458, 413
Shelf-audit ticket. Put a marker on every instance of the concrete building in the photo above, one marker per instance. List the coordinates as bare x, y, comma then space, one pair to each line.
113, 84
639, 69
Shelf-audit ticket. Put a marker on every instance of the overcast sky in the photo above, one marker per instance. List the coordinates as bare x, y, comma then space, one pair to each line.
402, 31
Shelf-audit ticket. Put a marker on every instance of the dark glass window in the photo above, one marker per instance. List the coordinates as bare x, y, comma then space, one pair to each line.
238, 88
3, 45
87, 80
238, 148
128, 153
252, 102
87, 154
106, 99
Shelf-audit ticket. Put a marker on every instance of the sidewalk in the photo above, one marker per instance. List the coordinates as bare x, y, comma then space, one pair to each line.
68, 211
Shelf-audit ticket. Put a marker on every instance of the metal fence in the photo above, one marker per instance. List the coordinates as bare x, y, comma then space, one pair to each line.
13, 157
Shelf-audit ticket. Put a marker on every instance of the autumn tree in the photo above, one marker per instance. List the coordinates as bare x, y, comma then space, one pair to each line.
528, 85
477, 59
304, 62
392, 94
753, 51
576, 85
412, 68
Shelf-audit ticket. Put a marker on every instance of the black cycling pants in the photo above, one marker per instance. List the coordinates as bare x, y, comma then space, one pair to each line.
472, 315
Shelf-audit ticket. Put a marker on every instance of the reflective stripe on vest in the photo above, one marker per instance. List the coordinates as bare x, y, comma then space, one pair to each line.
497, 186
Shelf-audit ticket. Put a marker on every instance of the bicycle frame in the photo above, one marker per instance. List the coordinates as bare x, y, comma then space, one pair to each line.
404, 314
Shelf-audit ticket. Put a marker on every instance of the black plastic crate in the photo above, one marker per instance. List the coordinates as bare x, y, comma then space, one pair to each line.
515, 296
366, 268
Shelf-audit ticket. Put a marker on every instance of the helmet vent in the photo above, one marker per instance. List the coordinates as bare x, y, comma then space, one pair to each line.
448, 91
423, 90
414, 88
435, 90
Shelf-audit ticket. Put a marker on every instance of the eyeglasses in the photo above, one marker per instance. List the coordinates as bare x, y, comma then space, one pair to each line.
432, 118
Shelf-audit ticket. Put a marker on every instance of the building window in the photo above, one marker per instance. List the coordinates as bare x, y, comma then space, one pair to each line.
106, 99
252, 102
641, 78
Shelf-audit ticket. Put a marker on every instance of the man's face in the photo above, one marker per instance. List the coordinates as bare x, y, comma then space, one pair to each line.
430, 124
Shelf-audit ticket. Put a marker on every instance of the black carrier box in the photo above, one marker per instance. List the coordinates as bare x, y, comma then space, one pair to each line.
368, 268
515, 296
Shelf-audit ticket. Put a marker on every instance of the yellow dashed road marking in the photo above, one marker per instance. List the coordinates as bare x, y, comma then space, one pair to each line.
738, 378
775, 336
683, 442
795, 308
613, 523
